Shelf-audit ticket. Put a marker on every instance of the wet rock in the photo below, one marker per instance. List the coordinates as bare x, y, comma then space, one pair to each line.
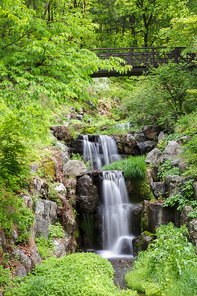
154, 215
159, 189
141, 243
173, 183
20, 271
172, 150
151, 131
75, 168
61, 132
184, 213
126, 248
135, 219
140, 137
161, 136
87, 195
154, 157
41, 227
47, 210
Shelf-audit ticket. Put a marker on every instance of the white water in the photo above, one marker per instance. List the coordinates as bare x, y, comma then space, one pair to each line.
100, 153
117, 240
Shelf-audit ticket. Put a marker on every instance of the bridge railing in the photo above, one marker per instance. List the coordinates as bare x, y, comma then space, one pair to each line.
145, 56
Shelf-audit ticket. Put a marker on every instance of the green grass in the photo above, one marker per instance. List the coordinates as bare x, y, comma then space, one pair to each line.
168, 267
80, 274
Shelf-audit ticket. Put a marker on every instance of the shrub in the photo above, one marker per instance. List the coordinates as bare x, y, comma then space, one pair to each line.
77, 274
168, 267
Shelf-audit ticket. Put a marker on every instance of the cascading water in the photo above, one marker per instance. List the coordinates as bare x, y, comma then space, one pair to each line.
101, 152
117, 241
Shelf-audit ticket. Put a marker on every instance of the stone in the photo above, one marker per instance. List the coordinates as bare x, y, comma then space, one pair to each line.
138, 131
61, 132
150, 145
141, 243
149, 175
195, 190
172, 150
87, 195
59, 245
182, 166
47, 210
61, 189
27, 201
126, 248
130, 138
20, 271
140, 137
154, 214
135, 219
75, 168
3, 242
173, 183
175, 163
77, 146
61, 147
33, 168
34, 255
24, 259
193, 232
161, 136
42, 187
154, 157
14, 237
65, 158
151, 131
184, 213
159, 189
182, 140
41, 227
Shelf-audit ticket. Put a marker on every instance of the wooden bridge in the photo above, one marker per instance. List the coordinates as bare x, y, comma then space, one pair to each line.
141, 58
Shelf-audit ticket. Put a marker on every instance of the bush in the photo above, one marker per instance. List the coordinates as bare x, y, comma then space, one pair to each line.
84, 274
168, 267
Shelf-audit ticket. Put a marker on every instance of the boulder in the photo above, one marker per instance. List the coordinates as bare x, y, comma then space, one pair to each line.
77, 146
28, 202
135, 219
183, 166
161, 136
159, 189
61, 189
41, 187
172, 150
141, 243
61, 147
20, 271
175, 163
154, 214
184, 213
173, 183
154, 157
24, 259
193, 232
140, 137
75, 168
195, 190
130, 139
61, 132
87, 195
47, 210
59, 245
41, 227
150, 145
3, 242
151, 131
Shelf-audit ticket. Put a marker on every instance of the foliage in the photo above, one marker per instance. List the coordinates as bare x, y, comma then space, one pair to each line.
134, 168
167, 169
76, 274
168, 267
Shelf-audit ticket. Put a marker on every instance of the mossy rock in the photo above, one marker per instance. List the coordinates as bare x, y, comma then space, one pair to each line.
48, 169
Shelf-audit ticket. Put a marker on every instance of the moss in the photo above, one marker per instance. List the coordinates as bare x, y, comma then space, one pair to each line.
48, 169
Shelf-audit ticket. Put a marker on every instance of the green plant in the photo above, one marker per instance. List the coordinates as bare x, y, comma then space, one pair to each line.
56, 231
168, 267
167, 169
77, 274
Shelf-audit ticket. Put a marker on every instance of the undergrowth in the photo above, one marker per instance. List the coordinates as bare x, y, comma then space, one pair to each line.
168, 267
77, 274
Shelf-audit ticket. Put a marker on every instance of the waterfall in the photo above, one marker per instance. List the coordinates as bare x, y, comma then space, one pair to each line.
116, 237
101, 152
117, 240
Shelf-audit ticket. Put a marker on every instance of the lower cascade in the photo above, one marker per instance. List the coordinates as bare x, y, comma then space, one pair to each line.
117, 241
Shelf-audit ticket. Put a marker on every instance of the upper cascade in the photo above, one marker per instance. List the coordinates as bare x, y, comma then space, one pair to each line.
101, 152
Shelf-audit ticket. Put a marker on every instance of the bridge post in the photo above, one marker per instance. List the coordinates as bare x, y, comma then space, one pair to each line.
130, 58
153, 57
108, 54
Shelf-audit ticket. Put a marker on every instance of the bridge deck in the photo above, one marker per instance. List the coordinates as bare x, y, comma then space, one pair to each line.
141, 58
